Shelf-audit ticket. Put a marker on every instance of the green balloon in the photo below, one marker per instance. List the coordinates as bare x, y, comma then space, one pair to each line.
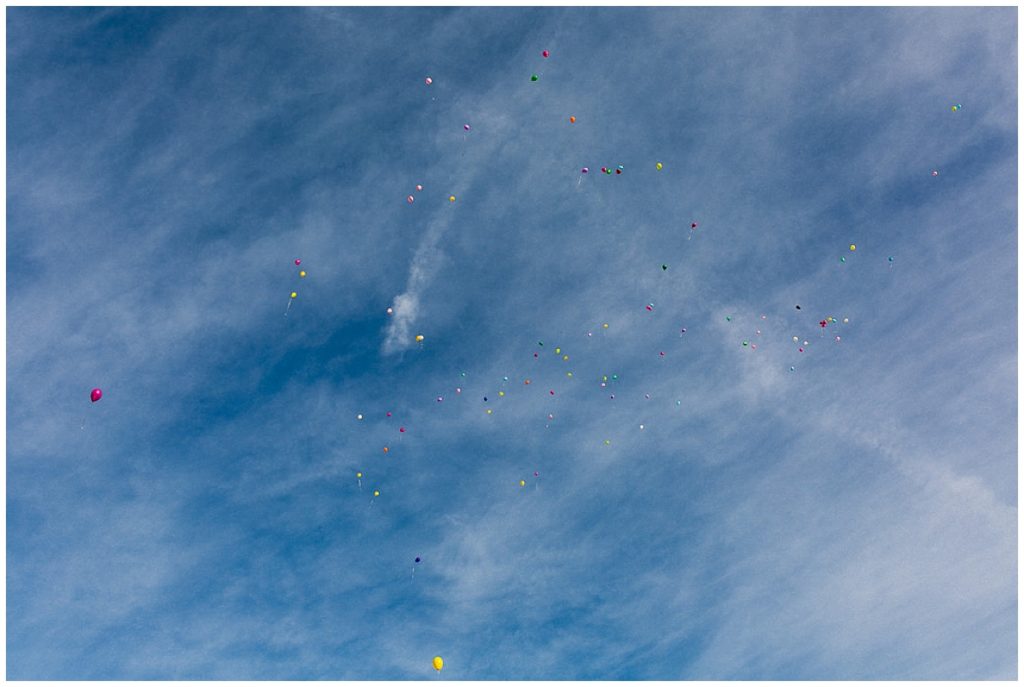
664, 267
533, 78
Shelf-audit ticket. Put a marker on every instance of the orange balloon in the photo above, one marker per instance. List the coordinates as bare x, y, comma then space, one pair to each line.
386, 449
572, 119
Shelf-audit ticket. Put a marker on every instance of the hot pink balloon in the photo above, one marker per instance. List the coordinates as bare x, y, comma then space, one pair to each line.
96, 395
297, 261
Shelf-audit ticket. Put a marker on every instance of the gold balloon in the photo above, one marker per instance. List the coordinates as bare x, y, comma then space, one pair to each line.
658, 166
302, 273
438, 663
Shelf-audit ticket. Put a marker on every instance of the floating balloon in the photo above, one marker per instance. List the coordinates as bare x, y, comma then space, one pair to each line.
664, 267
419, 338
798, 307
451, 199
585, 170
522, 482
417, 559
438, 663
533, 78
428, 81
419, 187
390, 311
935, 172
853, 246
402, 430
409, 199
536, 474
605, 325
466, 127
302, 273
572, 120
96, 394
658, 166
891, 258
294, 295
545, 53
846, 320
297, 262
376, 493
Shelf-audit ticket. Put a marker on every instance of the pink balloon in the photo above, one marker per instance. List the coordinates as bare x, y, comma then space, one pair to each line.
419, 187
545, 53
96, 395
428, 81
297, 261
410, 199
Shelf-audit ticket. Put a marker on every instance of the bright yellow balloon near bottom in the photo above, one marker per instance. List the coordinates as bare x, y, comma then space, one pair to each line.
294, 295
438, 663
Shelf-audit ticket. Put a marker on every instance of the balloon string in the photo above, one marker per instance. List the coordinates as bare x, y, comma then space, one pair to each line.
288, 308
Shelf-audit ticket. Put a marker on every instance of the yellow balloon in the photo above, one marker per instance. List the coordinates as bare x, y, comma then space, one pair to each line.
451, 199
658, 166
501, 393
419, 337
557, 351
294, 295
438, 663
302, 273
489, 411
853, 247
359, 475
376, 493
565, 357
522, 483
605, 325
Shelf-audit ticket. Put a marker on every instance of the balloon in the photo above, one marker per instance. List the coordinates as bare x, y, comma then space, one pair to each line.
302, 273
419, 187
585, 170
402, 430
664, 267
297, 262
417, 559
409, 199
419, 338
746, 343
842, 259
489, 411
545, 53
522, 482
658, 166
389, 413
891, 258
359, 475
359, 416
557, 351
386, 449
501, 393
428, 81
798, 307
536, 474
390, 311
605, 325
853, 246
376, 493
451, 199
572, 120
438, 663
935, 172
294, 295
693, 225
440, 398
96, 394
823, 323
533, 78
607, 442
846, 320
604, 169
466, 127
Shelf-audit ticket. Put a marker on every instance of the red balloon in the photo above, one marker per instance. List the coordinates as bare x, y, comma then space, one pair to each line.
545, 53
96, 395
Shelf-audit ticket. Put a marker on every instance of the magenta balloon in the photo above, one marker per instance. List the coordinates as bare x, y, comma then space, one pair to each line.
297, 261
96, 395
585, 170
466, 127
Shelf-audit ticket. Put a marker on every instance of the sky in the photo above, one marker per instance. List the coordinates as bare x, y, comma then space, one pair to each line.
722, 506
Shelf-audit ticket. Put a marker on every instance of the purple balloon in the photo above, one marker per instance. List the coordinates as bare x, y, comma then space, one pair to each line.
417, 559
585, 170
466, 127
96, 395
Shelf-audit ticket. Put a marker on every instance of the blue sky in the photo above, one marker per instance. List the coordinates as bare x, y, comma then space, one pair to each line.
854, 518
